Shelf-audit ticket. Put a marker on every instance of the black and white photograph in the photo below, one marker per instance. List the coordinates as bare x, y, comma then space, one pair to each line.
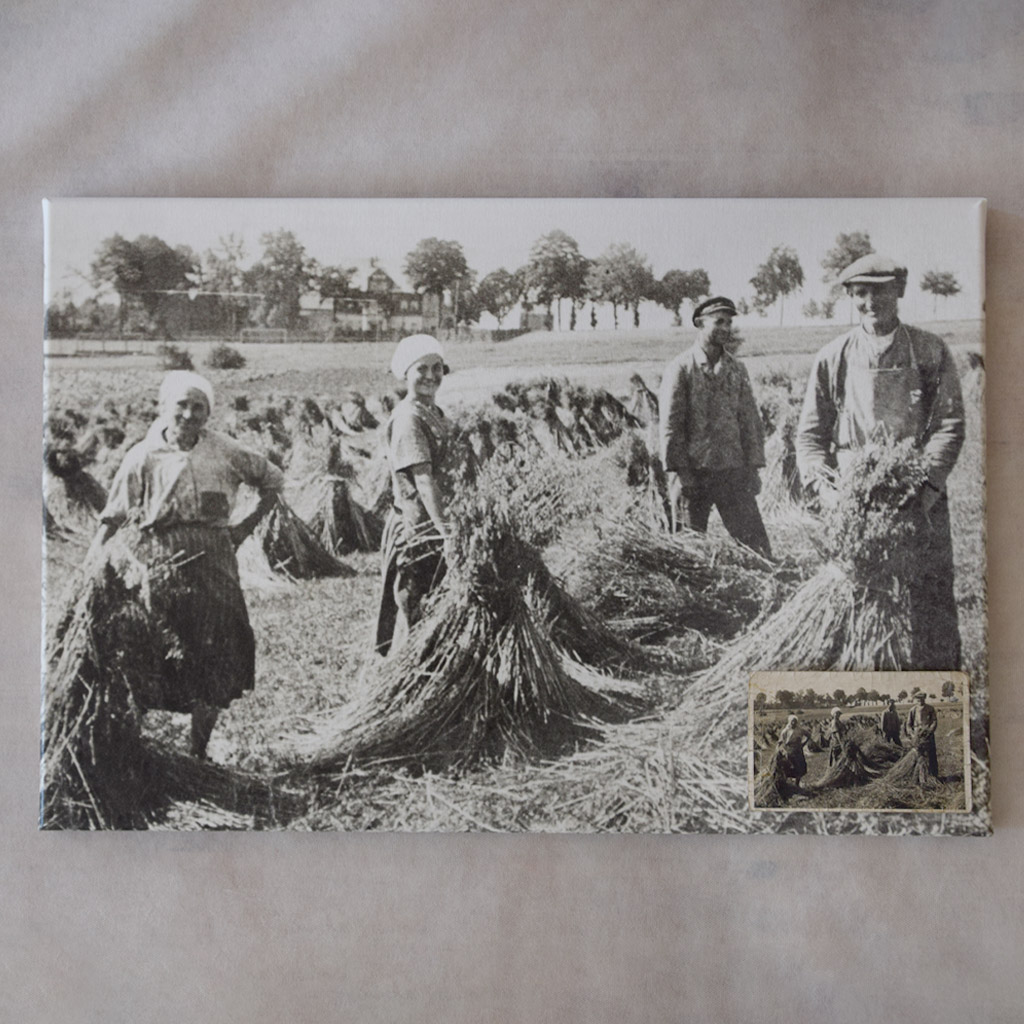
479, 514
868, 741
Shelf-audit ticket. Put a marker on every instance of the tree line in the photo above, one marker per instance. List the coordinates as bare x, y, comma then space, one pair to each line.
268, 293
810, 698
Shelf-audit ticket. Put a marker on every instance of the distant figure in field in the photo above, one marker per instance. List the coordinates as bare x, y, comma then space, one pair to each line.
835, 733
921, 725
891, 724
792, 741
886, 378
712, 437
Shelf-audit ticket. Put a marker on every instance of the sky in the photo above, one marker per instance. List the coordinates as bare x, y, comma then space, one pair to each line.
729, 238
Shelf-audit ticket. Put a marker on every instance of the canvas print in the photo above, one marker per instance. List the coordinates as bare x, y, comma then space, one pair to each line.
480, 515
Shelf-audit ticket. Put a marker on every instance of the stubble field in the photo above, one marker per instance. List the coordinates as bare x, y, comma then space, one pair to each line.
314, 637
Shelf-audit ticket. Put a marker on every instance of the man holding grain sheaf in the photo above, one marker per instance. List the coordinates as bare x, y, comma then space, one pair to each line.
887, 378
712, 438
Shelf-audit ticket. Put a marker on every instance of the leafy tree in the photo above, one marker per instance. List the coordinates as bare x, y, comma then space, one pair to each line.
776, 278
811, 310
282, 275
62, 317
142, 272
469, 308
678, 286
498, 293
939, 283
221, 272
874, 696
828, 308
742, 307
623, 277
847, 249
556, 270
785, 698
902, 695
760, 699
435, 266
948, 688
861, 694
839, 696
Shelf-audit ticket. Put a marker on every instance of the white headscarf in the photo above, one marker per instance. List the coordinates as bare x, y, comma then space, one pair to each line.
412, 349
177, 382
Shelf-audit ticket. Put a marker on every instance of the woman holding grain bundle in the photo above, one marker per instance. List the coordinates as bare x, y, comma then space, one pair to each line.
177, 487
416, 530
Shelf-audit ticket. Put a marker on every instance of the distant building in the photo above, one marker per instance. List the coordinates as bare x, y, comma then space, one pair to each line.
374, 304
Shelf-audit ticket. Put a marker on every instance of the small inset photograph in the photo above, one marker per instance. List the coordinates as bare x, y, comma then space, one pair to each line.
859, 741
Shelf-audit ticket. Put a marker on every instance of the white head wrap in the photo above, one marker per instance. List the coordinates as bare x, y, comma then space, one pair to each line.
411, 350
177, 382
793, 719
837, 711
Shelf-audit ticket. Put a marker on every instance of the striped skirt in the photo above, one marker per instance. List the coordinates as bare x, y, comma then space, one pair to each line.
211, 656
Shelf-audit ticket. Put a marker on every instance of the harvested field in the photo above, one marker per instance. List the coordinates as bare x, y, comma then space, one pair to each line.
672, 767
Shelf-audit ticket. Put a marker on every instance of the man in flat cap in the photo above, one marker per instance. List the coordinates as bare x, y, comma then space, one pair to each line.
712, 438
885, 376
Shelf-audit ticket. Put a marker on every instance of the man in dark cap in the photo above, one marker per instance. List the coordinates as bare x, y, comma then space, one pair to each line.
712, 439
922, 722
887, 377
891, 724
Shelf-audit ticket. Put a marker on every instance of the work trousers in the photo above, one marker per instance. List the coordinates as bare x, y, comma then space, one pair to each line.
730, 492
935, 631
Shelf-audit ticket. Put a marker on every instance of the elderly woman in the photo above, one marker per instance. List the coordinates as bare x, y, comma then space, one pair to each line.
792, 740
179, 486
416, 530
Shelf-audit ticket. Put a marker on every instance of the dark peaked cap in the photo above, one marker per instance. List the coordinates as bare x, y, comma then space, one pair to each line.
719, 304
872, 269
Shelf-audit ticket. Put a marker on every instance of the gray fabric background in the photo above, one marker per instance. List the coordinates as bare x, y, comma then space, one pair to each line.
705, 98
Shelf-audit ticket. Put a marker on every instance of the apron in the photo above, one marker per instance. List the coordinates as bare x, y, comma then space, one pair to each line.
874, 401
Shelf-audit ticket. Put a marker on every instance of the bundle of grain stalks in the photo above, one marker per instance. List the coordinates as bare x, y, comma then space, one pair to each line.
283, 545
852, 615
98, 770
481, 676
653, 583
326, 503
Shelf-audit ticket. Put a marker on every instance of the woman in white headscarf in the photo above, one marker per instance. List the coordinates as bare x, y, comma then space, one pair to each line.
792, 741
178, 486
416, 530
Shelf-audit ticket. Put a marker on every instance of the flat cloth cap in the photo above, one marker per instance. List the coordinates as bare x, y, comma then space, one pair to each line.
873, 269
411, 350
719, 304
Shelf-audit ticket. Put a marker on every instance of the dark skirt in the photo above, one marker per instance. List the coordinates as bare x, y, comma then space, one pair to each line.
210, 653
410, 569
794, 764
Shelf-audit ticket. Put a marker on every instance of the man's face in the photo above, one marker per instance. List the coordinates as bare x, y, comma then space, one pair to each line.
877, 304
716, 333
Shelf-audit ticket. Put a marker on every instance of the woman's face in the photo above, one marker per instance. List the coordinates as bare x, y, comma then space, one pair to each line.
424, 377
186, 415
